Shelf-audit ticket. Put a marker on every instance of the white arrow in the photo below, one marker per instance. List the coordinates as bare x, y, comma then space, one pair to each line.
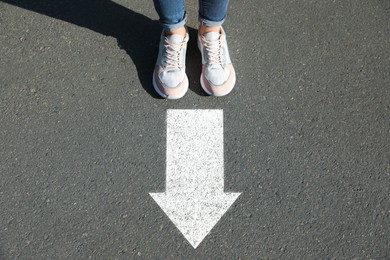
194, 199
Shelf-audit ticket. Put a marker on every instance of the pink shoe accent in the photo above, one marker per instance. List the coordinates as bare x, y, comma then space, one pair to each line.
166, 92
222, 90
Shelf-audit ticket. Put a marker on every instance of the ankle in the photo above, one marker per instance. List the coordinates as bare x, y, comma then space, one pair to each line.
180, 31
205, 29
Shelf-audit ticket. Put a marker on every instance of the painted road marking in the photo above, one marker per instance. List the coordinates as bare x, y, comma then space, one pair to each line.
194, 199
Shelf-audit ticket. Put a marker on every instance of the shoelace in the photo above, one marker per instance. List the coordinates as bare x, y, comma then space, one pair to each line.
214, 51
172, 55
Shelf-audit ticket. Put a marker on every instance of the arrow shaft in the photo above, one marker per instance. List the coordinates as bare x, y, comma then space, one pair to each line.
194, 151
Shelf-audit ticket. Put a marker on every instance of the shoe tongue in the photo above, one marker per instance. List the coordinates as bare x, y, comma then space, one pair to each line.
212, 36
175, 38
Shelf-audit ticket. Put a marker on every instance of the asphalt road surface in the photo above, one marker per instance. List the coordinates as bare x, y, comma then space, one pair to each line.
306, 131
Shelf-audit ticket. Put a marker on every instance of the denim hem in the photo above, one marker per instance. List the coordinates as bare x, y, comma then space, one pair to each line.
175, 25
209, 23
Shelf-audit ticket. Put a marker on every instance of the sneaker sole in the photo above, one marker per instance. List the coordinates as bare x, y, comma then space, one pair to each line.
203, 84
157, 89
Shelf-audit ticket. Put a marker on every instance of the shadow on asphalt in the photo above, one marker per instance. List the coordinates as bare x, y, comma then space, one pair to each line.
137, 34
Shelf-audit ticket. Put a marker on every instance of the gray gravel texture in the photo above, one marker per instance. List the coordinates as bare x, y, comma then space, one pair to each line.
307, 138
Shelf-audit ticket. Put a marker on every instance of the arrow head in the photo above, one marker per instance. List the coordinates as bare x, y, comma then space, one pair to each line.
195, 215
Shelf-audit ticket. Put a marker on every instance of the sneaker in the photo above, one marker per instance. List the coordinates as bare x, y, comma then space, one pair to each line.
169, 78
218, 76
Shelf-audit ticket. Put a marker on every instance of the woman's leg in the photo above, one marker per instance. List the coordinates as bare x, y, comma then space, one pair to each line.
172, 15
169, 77
212, 14
218, 76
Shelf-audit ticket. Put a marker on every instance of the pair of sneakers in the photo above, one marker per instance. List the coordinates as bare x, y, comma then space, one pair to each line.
218, 76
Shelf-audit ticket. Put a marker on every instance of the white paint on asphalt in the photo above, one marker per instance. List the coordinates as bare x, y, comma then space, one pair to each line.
194, 199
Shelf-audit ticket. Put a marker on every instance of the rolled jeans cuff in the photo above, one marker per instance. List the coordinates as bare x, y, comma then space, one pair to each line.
175, 26
209, 23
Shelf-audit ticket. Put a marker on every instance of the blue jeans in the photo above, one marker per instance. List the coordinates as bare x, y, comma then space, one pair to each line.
173, 15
